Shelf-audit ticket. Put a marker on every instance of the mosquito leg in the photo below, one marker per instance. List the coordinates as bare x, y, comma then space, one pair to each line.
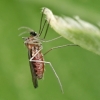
46, 29
56, 76
53, 71
52, 39
42, 27
41, 21
59, 47
35, 54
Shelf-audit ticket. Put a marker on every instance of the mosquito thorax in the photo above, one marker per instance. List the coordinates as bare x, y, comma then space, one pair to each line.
33, 33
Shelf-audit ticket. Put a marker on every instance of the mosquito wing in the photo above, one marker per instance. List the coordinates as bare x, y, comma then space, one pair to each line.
34, 77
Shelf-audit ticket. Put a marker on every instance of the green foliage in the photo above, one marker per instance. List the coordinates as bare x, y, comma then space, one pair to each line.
78, 69
77, 31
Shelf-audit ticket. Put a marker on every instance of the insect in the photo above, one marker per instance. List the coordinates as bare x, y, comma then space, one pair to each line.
36, 58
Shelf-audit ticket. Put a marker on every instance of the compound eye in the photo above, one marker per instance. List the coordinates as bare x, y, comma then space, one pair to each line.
33, 33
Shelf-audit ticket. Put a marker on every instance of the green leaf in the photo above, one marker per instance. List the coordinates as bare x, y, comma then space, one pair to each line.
78, 31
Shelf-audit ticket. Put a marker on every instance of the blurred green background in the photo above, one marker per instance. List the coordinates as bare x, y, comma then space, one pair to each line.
77, 68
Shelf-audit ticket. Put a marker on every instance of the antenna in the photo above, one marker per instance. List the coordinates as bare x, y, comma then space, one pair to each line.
27, 30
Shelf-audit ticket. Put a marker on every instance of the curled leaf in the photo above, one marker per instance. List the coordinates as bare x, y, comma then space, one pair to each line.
76, 30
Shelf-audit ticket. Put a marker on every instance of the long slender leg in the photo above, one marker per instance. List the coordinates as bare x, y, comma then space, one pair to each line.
31, 60
46, 29
53, 71
36, 54
52, 39
42, 27
41, 21
59, 47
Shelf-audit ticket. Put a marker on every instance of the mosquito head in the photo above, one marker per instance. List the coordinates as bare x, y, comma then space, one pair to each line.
32, 33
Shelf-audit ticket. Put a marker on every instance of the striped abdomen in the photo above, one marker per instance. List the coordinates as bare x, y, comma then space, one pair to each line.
38, 66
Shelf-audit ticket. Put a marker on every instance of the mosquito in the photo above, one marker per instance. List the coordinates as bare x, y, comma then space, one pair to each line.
36, 58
